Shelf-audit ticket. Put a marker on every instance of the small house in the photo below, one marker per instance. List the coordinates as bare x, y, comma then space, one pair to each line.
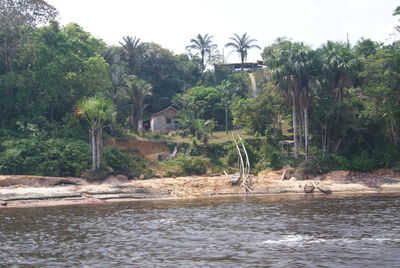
163, 121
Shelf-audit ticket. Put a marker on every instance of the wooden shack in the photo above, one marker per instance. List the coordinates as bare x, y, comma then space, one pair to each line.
163, 121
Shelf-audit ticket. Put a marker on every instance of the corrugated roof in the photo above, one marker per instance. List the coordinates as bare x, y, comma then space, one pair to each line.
162, 111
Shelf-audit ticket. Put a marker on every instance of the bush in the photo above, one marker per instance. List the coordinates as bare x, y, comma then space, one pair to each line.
53, 157
154, 136
186, 166
325, 163
275, 161
140, 167
362, 162
193, 165
193, 149
117, 161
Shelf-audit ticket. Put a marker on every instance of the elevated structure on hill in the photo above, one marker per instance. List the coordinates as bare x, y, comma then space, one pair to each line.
237, 67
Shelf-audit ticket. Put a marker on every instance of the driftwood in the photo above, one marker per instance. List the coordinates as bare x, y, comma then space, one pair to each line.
235, 178
283, 177
244, 166
311, 186
323, 188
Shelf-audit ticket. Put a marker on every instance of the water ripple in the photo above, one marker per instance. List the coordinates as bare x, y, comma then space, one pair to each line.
247, 232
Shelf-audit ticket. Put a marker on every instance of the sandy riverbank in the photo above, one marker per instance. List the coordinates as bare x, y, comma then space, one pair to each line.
29, 191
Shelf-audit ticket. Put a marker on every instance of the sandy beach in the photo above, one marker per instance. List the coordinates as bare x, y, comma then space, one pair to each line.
31, 191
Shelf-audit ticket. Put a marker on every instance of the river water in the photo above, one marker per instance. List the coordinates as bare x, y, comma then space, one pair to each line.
263, 231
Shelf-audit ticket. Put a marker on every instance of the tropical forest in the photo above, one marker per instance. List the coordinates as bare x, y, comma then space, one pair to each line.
72, 105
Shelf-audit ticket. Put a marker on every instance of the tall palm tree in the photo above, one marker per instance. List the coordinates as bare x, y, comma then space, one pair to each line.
136, 90
132, 50
307, 68
396, 13
204, 45
278, 59
340, 65
295, 68
97, 110
339, 68
241, 44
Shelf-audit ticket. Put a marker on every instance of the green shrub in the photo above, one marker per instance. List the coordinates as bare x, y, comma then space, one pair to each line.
362, 162
117, 161
193, 149
193, 165
183, 165
324, 163
275, 161
52, 157
140, 167
154, 136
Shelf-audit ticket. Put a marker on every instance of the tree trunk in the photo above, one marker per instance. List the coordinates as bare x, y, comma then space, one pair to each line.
140, 126
394, 133
294, 115
96, 145
325, 136
241, 66
140, 117
134, 119
140, 121
98, 148
323, 140
226, 119
202, 61
93, 147
306, 132
300, 117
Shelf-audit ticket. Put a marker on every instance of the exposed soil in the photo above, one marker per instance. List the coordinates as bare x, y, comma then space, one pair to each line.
140, 147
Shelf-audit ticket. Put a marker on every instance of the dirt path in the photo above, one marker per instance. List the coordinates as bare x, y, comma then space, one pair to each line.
253, 85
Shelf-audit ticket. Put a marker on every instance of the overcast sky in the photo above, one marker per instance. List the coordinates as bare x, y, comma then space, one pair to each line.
172, 23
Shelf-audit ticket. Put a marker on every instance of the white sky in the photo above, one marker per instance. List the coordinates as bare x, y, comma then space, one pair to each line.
172, 23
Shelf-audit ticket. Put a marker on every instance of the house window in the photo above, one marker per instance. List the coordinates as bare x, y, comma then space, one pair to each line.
168, 120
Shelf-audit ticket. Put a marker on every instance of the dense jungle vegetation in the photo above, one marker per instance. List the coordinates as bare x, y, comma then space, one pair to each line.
63, 92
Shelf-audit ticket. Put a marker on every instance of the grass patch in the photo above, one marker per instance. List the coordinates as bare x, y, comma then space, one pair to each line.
216, 137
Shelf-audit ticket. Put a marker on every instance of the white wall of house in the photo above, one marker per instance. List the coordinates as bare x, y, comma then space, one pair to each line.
163, 121
160, 123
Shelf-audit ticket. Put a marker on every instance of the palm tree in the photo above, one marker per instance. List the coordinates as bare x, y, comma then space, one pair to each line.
307, 69
132, 50
339, 67
396, 13
136, 90
278, 59
338, 71
195, 126
241, 44
295, 67
204, 45
97, 111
